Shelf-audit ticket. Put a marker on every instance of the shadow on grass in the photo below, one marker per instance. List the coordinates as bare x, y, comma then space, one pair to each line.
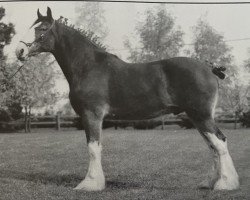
68, 180
72, 180
122, 185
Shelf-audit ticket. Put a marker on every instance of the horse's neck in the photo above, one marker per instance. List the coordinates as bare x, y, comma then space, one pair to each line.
73, 54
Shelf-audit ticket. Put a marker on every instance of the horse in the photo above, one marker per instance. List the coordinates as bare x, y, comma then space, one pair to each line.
101, 84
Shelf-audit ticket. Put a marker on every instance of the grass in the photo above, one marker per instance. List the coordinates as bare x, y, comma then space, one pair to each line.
150, 164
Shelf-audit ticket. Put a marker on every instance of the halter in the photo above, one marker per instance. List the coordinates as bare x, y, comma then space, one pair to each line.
27, 44
30, 43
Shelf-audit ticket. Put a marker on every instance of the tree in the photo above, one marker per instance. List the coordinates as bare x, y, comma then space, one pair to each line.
35, 84
67, 109
7, 31
90, 17
234, 97
158, 37
247, 62
246, 77
210, 46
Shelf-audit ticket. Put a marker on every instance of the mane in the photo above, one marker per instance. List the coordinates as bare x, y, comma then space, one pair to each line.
87, 34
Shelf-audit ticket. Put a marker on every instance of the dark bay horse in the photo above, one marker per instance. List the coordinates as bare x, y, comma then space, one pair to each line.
101, 84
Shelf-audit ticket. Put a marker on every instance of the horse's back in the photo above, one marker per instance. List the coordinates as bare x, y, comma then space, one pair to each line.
172, 85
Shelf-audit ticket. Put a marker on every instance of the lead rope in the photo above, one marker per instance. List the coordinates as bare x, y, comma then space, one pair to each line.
28, 45
12, 76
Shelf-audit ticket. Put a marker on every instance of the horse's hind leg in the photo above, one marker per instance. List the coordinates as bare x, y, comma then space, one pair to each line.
94, 179
224, 175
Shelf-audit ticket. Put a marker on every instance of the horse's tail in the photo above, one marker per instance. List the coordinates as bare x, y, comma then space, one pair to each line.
219, 71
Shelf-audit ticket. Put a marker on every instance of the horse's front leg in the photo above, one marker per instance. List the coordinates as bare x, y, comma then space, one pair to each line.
94, 180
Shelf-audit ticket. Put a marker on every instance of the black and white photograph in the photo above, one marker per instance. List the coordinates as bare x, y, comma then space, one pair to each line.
125, 99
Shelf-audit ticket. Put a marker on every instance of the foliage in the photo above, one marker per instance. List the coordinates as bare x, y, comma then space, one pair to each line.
235, 92
158, 37
234, 96
7, 31
10, 128
245, 119
36, 81
90, 16
5, 116
247, 62
15, 109
210, 45
68, 110
143, 125
32, 87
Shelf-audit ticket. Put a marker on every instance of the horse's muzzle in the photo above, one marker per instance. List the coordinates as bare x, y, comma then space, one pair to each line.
21, 52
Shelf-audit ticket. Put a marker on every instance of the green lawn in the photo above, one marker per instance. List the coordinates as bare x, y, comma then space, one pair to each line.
150, 164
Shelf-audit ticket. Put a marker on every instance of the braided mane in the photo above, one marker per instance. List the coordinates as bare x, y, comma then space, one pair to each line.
89, 35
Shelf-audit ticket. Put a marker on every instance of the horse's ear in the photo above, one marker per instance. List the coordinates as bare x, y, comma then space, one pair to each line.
39, 14
49, 13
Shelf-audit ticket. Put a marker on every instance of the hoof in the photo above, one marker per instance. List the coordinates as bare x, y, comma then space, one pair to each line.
227, 184
89, 184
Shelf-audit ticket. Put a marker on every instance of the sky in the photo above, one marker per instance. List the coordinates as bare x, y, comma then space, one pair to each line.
232, 21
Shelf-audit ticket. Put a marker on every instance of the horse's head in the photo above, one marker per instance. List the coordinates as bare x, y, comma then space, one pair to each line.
43, 37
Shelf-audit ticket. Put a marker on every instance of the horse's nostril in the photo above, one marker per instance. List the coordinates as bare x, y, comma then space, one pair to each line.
21, 52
